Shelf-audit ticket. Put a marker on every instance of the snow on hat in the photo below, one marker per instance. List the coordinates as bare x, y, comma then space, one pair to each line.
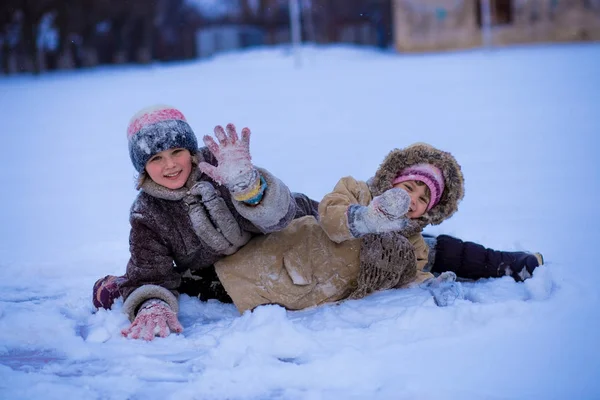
155, 129
430, 175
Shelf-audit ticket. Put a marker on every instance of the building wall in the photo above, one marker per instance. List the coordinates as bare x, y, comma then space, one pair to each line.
434, 25
215, 39
550, 21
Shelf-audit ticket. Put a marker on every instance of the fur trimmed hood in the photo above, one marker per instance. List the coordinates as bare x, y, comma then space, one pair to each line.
398, 159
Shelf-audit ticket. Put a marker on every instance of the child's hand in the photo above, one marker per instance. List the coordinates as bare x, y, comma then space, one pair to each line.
393, 203
444, 289
234, 169
155, 318
386, 213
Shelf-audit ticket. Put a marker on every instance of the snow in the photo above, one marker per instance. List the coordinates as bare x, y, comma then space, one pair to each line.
522, 121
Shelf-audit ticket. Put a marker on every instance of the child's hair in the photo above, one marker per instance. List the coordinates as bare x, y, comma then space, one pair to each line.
427, 191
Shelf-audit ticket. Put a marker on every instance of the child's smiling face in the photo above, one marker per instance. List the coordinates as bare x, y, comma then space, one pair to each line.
419, 197
170, 168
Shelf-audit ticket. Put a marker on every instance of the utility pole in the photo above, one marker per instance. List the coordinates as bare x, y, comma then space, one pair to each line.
295, 30
486, 23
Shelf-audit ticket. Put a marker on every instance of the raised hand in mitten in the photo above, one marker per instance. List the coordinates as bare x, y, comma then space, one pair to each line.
154, 318
385, 213
444, 288
234, 169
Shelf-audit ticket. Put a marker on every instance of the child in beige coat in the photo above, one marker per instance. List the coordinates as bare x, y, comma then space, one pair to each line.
368, 238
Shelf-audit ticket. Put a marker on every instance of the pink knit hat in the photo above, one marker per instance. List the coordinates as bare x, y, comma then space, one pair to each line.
155, 129
430, 175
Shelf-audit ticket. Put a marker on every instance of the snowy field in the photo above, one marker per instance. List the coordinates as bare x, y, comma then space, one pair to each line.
523, 122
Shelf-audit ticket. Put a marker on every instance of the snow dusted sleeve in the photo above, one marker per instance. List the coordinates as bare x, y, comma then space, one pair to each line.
333, 209
150, 273
276, 208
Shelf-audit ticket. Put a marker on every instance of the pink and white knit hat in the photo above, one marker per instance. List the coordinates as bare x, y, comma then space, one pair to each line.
430, 175
155, 129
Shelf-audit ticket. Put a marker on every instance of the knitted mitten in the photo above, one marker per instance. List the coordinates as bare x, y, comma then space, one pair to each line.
154, 318
387, 261
106, 291
444, 289
385, 213
234, 169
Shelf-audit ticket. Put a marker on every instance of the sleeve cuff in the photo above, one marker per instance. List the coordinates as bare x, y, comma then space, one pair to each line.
351, 215
147, 292
258, 194
275, 209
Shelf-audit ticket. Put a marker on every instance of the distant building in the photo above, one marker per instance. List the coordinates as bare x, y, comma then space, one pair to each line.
219, 38
432, 25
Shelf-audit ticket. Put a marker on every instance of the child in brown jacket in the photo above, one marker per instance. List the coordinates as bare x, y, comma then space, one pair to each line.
195, 206
368, 238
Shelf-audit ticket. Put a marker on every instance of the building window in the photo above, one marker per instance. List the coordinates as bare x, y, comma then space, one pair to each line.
501, 12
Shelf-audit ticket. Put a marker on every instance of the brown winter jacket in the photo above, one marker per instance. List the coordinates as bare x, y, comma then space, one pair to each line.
175, 231
313, 262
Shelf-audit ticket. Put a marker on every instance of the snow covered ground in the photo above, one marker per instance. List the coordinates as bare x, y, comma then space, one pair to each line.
523, 122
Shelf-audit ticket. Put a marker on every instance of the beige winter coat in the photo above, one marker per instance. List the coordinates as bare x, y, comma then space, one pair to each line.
306, 264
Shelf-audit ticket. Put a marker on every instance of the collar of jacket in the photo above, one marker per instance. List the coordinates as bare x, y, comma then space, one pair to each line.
161, 192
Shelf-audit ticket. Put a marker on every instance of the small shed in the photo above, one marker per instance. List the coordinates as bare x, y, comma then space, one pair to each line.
433, 25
